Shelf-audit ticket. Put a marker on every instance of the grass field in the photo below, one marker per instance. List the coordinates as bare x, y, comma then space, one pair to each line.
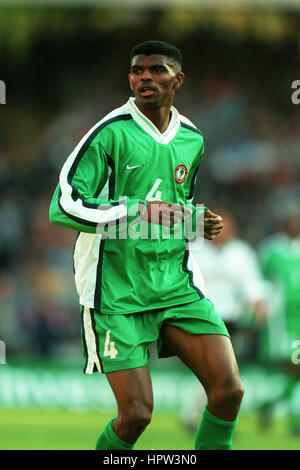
65, 430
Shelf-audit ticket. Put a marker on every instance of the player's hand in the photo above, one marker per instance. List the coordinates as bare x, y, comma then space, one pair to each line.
164, 213
213, 224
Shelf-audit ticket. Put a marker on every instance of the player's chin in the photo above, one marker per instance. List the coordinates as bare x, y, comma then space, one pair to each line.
150, 102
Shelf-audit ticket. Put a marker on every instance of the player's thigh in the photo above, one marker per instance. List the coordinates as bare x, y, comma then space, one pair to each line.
133, 391
209, 356
199, 337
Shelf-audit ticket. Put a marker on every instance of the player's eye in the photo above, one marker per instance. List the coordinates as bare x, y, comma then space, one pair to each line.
136, 71
158, 69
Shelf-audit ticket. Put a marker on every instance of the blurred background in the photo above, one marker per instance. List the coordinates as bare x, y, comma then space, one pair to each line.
65, 66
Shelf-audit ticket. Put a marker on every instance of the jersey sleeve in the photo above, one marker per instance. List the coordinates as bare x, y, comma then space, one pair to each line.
197, 211
82, 199
197, 218
194, 171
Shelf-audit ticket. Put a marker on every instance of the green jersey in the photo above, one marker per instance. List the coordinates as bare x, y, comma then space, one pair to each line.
120, 162
280, 261
281, 265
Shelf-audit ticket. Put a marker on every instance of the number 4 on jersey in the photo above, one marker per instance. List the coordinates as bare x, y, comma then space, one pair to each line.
154, 194
109, 347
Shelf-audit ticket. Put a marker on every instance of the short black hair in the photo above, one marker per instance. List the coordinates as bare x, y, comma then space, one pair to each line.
159, 48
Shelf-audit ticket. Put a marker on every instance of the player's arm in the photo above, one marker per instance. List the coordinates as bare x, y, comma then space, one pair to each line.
205, 222
76, 203
209, 224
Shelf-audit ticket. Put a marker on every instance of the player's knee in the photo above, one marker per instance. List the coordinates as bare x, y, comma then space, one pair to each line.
236, 393
228, 395
139, 416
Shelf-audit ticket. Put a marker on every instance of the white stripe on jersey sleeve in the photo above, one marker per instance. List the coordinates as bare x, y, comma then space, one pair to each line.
76, 208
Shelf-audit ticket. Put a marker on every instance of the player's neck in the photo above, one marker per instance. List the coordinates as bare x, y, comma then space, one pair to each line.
160, 117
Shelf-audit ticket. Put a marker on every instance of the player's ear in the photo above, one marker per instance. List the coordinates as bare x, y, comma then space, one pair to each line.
129, 81
179, 80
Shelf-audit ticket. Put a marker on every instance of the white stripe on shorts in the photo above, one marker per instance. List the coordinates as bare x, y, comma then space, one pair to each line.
91, 345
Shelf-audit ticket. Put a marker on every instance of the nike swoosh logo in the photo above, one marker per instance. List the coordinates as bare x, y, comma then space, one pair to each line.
129, 167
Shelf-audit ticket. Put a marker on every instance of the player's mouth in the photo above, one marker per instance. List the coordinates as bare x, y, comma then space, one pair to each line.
147, 90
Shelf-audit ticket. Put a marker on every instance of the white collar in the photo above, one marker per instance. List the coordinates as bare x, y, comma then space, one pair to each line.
150, 128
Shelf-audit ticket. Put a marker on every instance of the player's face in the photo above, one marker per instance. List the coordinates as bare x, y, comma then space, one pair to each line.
153, 80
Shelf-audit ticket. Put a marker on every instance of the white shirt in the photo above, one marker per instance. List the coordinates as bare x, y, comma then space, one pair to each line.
232, 278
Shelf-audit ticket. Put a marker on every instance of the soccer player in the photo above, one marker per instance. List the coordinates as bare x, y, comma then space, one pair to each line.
136, 289
279, 255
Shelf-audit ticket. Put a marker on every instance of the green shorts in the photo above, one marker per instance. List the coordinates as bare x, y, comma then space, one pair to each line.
113, 342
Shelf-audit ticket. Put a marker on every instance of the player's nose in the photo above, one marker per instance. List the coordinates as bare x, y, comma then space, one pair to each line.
146, 75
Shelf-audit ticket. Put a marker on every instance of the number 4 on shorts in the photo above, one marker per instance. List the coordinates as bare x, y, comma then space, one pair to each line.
109, 347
